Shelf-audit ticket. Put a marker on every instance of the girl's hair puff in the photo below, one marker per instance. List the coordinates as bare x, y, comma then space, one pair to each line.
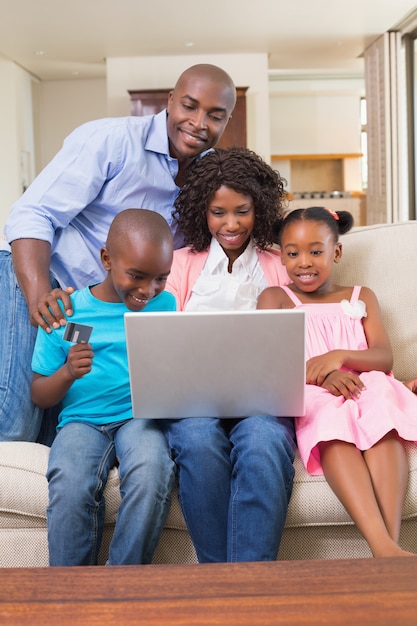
339, 222
243, 171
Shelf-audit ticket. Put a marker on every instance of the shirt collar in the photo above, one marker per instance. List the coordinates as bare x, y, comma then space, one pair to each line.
217, 257
157, 139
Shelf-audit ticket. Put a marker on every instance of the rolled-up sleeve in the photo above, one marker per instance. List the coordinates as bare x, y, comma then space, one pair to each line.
69, 183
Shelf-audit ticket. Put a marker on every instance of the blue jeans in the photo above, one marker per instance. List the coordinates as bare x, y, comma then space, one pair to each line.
80, 459
20, 419
235, 482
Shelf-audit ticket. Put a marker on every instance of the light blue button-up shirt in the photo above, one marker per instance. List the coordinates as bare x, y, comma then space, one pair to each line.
104, 167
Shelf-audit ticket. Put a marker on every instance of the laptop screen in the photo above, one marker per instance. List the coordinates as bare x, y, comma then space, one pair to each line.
227, 364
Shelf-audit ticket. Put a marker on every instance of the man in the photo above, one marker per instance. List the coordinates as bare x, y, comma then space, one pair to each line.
57, 228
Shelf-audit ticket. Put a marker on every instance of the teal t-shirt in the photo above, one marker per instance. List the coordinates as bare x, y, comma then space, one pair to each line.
103, 395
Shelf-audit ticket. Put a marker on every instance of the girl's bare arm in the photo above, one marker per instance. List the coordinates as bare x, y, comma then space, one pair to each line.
378, 355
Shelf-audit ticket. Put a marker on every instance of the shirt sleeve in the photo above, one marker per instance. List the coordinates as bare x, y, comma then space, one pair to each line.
90, 155
50, 352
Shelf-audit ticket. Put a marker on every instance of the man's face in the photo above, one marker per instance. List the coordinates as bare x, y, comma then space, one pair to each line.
198, 112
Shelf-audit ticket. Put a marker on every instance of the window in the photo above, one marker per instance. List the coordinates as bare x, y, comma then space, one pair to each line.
364, 144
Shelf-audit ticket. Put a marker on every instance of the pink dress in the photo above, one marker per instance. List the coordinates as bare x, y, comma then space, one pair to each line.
385, 405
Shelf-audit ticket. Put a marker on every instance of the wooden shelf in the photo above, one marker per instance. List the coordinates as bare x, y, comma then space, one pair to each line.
316, 157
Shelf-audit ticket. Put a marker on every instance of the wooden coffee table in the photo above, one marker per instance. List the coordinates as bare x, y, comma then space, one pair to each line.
357, 592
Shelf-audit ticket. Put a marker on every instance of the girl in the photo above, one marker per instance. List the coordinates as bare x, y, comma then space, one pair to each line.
357, 414
235, 476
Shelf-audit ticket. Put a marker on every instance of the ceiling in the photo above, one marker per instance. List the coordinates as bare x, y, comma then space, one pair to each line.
62, 39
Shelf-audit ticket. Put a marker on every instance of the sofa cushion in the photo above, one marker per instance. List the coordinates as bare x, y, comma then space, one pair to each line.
24, 488
313, 503
384, 258
24, 492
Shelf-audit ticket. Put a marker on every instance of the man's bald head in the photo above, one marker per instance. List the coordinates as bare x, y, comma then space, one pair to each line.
210, 74
199, 108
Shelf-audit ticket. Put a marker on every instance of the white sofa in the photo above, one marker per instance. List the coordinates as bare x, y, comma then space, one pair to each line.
383, 257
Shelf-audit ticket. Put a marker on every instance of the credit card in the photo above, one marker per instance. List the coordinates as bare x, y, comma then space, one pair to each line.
77, 333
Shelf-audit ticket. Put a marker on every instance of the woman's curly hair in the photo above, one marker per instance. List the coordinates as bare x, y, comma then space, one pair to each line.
243, 171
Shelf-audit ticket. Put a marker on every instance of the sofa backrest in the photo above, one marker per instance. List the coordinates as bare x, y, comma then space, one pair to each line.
384, 258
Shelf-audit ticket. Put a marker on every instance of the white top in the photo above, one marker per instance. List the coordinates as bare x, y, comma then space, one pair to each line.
217, 289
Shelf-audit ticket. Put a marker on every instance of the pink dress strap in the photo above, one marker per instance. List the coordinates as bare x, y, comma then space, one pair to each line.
355, 294
291, 295
353, 299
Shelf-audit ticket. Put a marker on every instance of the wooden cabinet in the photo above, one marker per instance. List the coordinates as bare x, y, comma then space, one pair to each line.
149, 101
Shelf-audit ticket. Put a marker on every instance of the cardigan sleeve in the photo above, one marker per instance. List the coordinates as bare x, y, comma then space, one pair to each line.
275, 272
186, 268
173, 284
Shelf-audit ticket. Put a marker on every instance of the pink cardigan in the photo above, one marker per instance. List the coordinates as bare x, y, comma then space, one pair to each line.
187, 266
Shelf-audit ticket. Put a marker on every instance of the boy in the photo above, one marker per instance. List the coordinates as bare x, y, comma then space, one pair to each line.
96, 430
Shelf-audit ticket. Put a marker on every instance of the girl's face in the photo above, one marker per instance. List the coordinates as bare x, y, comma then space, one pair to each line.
308, 250
231, 219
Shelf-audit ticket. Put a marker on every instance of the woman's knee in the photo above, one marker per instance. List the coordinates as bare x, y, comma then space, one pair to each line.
197, 435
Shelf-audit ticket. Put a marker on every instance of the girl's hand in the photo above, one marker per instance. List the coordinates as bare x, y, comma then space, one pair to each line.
80, 360
47, 313
318, 367
342, 383
412, 385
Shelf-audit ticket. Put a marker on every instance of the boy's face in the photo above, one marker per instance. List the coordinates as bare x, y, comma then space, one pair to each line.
137, 271
198, 112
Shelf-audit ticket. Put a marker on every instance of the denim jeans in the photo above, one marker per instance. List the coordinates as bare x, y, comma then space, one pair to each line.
20, 420
80, 460
235, 482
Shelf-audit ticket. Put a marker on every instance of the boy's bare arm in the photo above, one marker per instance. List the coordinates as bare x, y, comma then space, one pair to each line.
49, 390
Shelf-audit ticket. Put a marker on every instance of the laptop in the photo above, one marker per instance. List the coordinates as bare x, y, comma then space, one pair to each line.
228, 364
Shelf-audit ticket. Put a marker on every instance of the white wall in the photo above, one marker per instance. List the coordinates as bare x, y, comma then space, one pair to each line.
246, 70
315, 116
17, 152
66, 104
